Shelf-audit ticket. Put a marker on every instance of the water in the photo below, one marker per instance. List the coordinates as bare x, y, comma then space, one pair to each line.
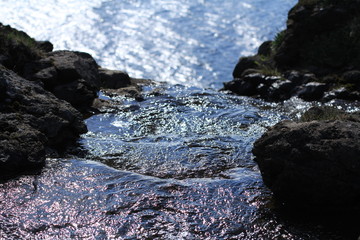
195, 42
177, 165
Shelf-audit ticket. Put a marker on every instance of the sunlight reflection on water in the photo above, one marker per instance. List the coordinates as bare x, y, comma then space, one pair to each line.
194, 43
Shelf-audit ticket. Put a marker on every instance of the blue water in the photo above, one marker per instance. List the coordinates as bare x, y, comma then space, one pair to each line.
177, 165
195, 42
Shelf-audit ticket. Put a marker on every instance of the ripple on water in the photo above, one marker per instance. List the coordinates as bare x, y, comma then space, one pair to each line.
182, 132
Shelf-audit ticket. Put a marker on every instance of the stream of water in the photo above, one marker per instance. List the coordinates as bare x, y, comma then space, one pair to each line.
177, 165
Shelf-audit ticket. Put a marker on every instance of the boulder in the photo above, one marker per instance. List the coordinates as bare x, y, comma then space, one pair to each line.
40, 109
313, 165
113, 79
71, 76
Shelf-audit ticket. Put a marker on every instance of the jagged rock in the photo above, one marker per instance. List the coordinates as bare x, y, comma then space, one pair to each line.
71, 76
40, 109
320, 44
113, 79
313, 164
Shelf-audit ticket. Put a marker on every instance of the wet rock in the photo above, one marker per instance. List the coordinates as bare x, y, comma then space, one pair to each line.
246, 85
113, 79
280, 90
352, 77
342, 93
312, 91
313, 164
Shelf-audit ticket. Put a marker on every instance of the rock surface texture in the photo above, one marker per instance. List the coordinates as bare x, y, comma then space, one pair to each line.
317, 57
32, 119
313, 164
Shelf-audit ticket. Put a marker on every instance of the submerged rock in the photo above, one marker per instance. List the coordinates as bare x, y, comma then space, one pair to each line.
314, 164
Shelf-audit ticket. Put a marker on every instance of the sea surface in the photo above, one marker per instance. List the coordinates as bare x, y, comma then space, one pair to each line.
177, 165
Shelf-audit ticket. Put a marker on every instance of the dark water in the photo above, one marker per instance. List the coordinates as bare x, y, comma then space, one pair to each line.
175, 166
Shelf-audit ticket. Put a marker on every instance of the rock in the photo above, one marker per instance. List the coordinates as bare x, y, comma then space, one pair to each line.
265, 48
243, 64
246, 85
46, 46
17, 49
320, 42
352, 77
280, 90
113, 79
21, 146
342, 93
71, 76
312, 91
40, 109
313, 165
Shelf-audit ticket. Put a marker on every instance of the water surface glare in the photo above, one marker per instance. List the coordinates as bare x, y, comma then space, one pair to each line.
195, 42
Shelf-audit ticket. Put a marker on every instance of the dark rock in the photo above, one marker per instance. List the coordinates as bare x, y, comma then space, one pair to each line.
280, 90
342, 93
294, 76
246, 85
46, 46
17, 49
313, 164
21, 146
312, 91
133, 91
265, 48
352, 77
243, 64
317, 35
54, 118
114, 79
71, 76
72, 66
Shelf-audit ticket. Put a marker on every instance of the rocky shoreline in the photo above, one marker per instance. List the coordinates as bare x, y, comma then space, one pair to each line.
316, 58
45, 96
313, 164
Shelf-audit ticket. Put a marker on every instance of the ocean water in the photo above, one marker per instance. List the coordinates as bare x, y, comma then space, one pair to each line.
196, 43
177, 165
